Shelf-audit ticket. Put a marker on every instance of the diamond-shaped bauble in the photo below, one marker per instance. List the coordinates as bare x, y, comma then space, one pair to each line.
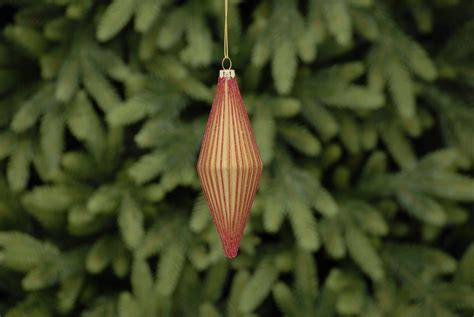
229, 164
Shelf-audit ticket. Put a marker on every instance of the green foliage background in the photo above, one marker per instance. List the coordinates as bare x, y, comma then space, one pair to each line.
363, 112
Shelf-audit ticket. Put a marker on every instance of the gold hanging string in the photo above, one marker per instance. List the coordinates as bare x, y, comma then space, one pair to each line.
226, 37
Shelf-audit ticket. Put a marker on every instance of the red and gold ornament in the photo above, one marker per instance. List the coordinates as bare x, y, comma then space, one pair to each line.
229, 164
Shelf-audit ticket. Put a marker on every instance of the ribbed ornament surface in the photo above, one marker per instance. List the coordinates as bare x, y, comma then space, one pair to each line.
229, 165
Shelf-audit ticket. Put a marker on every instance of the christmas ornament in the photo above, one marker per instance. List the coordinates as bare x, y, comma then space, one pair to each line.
229, 164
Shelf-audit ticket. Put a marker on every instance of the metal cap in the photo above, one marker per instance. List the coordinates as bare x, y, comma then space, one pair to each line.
227, 73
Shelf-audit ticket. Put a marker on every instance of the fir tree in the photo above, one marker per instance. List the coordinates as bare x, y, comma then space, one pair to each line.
363, 112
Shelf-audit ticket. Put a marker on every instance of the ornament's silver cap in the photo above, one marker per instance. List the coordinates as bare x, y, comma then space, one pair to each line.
227, 73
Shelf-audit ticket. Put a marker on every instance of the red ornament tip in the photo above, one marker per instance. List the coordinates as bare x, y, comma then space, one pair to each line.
231, 248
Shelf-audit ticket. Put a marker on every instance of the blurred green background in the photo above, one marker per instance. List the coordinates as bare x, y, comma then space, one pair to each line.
364, 114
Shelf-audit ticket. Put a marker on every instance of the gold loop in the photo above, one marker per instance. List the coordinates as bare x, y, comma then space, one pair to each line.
223, 62
226, 36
